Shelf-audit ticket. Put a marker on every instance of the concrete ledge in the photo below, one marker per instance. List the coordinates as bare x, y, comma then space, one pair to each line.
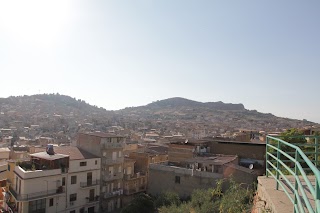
276, 201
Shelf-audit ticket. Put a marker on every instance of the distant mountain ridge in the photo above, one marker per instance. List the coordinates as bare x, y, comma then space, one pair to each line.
56, 113
179, 102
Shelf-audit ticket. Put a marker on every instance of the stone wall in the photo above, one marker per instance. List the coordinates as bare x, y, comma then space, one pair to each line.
180, 180
243, 150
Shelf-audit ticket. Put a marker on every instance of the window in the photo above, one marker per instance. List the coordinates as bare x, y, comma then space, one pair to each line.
51, 202
73, 211
119, 169
120, 154
111, 170
84, 163
8, 167
73, 197
37, 206
73, 179
96, 162
177, 179
114, 155
63, 181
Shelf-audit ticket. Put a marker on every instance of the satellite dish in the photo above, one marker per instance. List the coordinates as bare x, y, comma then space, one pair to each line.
186, 141
251, 166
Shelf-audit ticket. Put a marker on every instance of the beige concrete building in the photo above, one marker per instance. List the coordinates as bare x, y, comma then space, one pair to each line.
134, 182
199, 173
110, 148
56, 182
3, 170
183, 149
144, 159
4, 153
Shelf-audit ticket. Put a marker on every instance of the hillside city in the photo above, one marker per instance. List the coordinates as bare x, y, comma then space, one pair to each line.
60, 154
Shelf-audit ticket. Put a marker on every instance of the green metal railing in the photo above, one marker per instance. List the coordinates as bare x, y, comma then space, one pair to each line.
284, 159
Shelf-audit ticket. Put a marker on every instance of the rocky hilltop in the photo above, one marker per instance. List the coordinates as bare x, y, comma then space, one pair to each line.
183, 102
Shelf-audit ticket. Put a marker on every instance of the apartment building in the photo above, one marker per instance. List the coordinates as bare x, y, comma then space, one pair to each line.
110, 148
134, 181
65, 180
143, 159
182, 149
197, 173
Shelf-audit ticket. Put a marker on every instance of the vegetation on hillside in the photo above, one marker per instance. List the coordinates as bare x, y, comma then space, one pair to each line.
235, 199
295, 137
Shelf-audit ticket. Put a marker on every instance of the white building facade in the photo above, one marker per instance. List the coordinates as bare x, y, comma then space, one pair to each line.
67, 182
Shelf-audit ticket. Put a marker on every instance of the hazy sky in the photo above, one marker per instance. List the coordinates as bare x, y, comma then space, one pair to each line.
115, 54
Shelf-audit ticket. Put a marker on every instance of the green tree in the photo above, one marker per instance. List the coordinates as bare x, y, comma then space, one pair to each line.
297, 137
182, 208
206, 201
236, 199
142, 203
167, 198
202, 201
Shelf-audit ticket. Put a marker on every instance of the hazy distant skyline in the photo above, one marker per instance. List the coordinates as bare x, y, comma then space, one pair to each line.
117, 54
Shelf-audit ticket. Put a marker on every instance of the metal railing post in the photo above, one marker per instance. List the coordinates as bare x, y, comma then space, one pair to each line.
278, 164
296, 192
316, 151
267, 142
317, 193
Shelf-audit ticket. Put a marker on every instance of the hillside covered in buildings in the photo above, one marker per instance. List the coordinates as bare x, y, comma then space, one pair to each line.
61, 117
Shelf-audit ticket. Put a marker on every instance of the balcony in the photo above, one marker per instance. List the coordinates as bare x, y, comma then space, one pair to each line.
143, 188
36, 195
133, 190
117, 192
89, 183
11, 207
91, 200
134, 176
112, 146
112, 161
113, 177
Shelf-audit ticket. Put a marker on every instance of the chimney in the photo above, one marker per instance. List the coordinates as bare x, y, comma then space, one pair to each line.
50, 150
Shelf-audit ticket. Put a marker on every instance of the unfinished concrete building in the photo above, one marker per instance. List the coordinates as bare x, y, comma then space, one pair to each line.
110, 148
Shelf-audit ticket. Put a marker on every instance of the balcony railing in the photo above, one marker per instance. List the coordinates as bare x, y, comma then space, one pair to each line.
89, 183
113, 176
11, 207
112, 161
113, 194
134, 176
112, 145
91, 200
133, 190
36, 195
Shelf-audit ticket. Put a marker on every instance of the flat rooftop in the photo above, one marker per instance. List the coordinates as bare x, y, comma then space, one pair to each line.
102, 135
215, 160
187, 141
241, 142
46, 156
73, 152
